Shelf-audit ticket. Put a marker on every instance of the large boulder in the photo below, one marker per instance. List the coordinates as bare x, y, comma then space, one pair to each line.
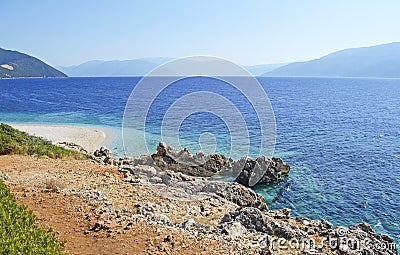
261, 170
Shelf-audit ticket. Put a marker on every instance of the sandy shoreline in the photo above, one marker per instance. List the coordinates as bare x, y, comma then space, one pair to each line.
87, 137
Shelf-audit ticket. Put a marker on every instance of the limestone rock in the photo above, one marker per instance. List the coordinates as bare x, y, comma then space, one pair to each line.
236, 193
261, 170
168, 158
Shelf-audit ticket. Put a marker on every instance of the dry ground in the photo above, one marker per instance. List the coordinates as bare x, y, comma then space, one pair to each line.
40, 184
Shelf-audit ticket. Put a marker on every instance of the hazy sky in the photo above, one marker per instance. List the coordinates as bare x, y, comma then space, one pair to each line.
247, 32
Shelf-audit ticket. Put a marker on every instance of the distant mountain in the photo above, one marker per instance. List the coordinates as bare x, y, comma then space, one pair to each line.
135, 67
258, 70
375, 61
16, 64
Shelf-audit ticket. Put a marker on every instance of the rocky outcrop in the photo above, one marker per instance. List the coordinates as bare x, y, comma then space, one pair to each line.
249, 171
199, 164
261, 170
251, 224
182, 185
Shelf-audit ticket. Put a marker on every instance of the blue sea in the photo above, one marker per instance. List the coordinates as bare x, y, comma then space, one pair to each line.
340, 136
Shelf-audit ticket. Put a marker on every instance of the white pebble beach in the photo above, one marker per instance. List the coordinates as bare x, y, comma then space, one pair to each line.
87, 137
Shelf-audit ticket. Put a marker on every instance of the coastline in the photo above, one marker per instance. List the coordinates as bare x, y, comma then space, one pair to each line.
155, 191
169, 212
87, 137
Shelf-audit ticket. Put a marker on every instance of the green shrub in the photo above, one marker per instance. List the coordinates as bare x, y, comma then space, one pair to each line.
13, 141
18, 232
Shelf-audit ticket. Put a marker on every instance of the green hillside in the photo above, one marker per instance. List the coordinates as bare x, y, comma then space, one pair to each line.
15, 64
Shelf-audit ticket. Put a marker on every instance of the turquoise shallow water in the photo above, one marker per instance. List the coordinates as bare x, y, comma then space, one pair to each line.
341, 136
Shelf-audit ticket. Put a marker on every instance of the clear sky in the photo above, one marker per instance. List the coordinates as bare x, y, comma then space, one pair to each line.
247, 32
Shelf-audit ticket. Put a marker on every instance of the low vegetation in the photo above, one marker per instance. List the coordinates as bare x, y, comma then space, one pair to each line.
13, 141
18, 232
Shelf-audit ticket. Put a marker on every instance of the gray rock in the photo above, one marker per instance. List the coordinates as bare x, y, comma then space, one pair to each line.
261, 170
104, 156
236, 193
227, 218
168, 158
146, 170
234, 229
166, 178
254, 219
250, 218
155, 180
127, 162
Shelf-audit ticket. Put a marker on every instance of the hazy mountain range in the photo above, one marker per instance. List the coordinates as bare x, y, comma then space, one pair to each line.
135, 67
138, 67
381, 61
15, 64
375, 61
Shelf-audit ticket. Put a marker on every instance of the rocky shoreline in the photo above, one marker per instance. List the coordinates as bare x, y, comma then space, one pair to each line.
230, 211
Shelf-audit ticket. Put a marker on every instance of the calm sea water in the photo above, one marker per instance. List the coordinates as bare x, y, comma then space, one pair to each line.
340, 136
